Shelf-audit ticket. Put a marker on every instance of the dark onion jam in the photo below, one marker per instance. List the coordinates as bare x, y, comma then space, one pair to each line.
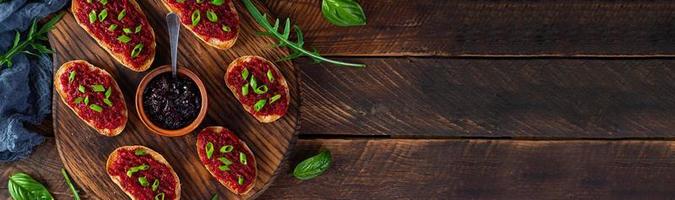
171, 103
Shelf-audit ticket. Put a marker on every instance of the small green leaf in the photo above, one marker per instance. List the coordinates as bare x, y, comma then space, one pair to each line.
225, 161
86, 100
214, 197
17, 38
98, 88
21, 186
244, 73
41, 48
259, 105
126, 30
138, 28
240, 180
159, 196
244, 89
217, 2
50, 24
103, 15
33, 28
275, 98
108, 93
71, 76
270, 77
155, 185
92, 16
224, 168
124, 39
76, 196
209, 150
112, 27
103, 1
78, 100
226, 149
139, 152
211, 16
121, 15
137, 50
313, 166
81, 89
343, 12
196, 16
242, 158
108, 102
95, 107
226, 28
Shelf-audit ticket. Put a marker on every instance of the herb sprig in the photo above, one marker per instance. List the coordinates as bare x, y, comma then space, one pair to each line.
284, 38
35, 34
76, 196
23, 187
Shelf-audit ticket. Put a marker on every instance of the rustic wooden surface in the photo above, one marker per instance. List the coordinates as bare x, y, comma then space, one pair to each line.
270, 142
514, 100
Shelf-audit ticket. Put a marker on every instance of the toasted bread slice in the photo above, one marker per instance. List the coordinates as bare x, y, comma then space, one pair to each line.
208, 39
154, 155
235, 89
231, 184
60, 89
119, 56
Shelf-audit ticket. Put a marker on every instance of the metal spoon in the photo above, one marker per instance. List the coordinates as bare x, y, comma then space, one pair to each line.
174, 31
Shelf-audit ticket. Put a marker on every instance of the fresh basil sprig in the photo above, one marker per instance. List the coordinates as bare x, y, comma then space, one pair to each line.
343, 12
31, 40
313, 166
297, 48
76, 196
23, 187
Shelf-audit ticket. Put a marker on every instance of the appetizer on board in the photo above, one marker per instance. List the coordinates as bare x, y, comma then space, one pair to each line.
143, 174
215, 22
93, 95
259, 86
119, 27
227, 158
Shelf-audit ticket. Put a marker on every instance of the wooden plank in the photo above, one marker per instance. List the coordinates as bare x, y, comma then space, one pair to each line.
495, 28
455, 169
540, 98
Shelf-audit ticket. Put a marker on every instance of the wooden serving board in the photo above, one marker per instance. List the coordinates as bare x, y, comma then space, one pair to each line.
84, 152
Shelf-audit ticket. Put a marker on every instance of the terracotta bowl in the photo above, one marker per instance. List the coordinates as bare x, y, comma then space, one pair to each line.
165, 132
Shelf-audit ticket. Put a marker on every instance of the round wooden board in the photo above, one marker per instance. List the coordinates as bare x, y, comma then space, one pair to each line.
84, 152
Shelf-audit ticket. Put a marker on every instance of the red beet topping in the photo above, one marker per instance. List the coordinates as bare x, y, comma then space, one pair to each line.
127, 159
259, 68
133, 18
109, 117
206, 27
225, 137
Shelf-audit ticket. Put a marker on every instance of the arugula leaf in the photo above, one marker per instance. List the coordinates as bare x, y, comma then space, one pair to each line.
23, 187
297, 48
313, 166
343, 12
31, 40
76, 196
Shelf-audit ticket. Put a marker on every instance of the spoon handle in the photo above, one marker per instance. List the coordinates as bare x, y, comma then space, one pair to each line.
174, 31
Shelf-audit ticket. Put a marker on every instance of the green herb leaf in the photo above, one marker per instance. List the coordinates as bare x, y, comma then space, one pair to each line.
196, 16
215, 197
226, 28
225, 161
259, 105
41, 48
224, 168
108, 102
275, 98
98, 88
143, 181
23, 187
103, 1
86, 100
81, 88
155, 185
112, 27
343, 12
76, 196
103, 15
121, 15
209, 150
211, 16
296, 47
138, 28
226, 149
240, 180
313, 166
108, 93
95, 107
78, 100
17, 38
137, 50
244, 73
270, 77
71, 76
139, 152
159, 196
242, 158
31, 39
244, 89
124, 39
126, 30
133, 170
92, 16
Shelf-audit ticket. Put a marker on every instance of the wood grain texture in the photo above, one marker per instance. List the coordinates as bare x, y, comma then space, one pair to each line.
78, 144
494, 28
526, 98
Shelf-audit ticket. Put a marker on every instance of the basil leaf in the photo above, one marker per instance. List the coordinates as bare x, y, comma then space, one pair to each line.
76, 196
313, 166
23, 187
343, 12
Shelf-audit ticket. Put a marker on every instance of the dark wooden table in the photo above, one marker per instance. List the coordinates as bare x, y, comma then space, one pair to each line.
478, 99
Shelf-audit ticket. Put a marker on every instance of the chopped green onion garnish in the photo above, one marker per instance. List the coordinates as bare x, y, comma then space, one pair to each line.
159, 196
240, 180
180, 1
78, 100
261, 90
225, 161
224, 168
155, 185
92, 16
112, 27
124, 39
137, 50
81, 89
143, 181
71, 76
138, 29
98, 88
244, 73
211, 16
242, 158
103, 2
217, 2
108, 102
259, 105
226, 149
95, 107
275, 98
270, 77
253, 82
139, 152
244, 89
209, 150
108, 92
122, 14
196, 16
86, 100
126, 30
200, 1
103, 15
226, 28
133, 170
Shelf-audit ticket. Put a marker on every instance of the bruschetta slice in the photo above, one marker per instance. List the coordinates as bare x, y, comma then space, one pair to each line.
119, 27
143, 174
259, 86
227, 158
215, 22
93, 95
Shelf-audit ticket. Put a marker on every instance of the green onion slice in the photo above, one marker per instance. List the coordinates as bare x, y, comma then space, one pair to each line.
137, 50
71, 76
139, 152
133, 170
275, 98
209, 150
86, 100
225, 161
103, 15
240, 180
211, 16
217, 2
92, 16
108, 93
242, 158
244, 89
126, 30
98, 88
95, 107
124, 39
143, 181
159, 196
226, 149
224, 168
261, 90
226, 28
270, 77
81, 88
259, 105
244, 73
121, 15
108, 102
196, 16
112, 27
155, 185
138, 28
78, 100
103, 2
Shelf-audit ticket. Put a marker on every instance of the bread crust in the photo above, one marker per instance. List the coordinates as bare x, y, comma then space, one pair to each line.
234, 89
228, 185
156, 156
75, 5
60, 90
214, 42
